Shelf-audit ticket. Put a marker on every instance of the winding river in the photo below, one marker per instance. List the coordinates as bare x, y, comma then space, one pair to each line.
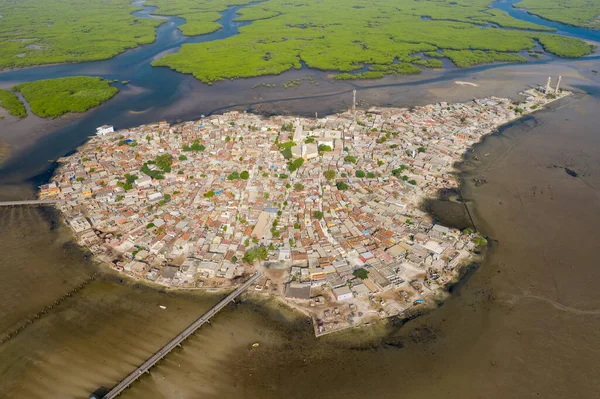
160, 93
524, 325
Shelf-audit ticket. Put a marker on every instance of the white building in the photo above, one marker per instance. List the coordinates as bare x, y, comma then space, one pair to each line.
80, 224
342, 293
144, 181
103, 130
154, 197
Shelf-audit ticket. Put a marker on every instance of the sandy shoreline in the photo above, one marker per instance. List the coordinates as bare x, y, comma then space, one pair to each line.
437, 295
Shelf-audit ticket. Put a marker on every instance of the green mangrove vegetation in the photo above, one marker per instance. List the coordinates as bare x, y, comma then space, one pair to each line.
346, 35
564, 46
35, 32
584, 13
465, 58
201, 16
54, 97
343, 36
10, 102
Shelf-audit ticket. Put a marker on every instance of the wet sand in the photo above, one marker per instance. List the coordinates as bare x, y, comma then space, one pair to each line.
525, 324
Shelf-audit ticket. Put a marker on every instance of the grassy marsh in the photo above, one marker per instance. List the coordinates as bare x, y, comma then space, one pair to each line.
584, 13
345, 35
56, 31
54, 97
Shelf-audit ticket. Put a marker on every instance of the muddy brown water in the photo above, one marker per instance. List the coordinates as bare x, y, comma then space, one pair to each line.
525, 324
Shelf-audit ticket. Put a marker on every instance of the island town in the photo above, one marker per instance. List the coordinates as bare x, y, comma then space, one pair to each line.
328, 209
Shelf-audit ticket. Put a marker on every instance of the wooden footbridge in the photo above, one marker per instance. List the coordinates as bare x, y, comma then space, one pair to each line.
162, 352
29, 202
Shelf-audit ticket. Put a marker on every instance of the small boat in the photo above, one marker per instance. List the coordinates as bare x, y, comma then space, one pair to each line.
255, 345
162, 307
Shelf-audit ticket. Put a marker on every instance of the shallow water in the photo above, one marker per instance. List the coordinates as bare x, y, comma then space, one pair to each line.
525, 324
563, 29
161, 94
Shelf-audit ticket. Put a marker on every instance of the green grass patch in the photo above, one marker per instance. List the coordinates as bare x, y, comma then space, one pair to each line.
564, 46
344, 35
35, 32
201, 16
465, 58
584, 13
54, 97
427, 63
12, 104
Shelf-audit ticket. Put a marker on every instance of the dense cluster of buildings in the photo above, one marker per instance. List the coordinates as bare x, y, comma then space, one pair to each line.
328, 207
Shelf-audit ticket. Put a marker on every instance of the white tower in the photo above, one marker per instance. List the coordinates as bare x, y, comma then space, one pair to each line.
298, 132
353, 100
548, 88
558, 84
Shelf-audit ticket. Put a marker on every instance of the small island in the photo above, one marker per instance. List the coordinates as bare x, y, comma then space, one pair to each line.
52, 98
329, 209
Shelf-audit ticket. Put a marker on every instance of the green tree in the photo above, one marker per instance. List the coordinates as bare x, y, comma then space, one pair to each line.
298, 187
361, 273
329, 174
318, 215
359, 173
350, 159
245, 175
296, 164
342, 186
480, 241
254, 254
398, 172
182, 157
287, 144
164, 162
287, 153
196, 146
209, 194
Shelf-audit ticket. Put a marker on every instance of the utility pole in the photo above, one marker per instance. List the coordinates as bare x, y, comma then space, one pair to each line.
558, 84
